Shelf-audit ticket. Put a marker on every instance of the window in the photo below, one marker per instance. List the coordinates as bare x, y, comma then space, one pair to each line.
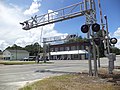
61, 48
73, 48
76, 56
52, 49
56, 49
67, 48
77, 47
82, 47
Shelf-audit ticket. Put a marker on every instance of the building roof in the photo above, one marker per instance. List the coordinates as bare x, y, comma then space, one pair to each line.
18, 51
69, 52
71, 44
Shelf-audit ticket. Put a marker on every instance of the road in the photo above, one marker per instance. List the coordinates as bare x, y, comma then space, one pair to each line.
13, 77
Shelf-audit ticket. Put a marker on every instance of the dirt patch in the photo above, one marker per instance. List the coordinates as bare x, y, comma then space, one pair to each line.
113, 78
78, 82
117, 67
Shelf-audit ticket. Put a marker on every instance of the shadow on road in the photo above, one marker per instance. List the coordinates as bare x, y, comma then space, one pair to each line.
57, 72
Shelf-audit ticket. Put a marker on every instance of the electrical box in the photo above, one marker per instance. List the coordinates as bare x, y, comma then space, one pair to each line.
112, 58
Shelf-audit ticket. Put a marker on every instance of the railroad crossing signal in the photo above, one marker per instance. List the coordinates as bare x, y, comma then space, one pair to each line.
85, 28
95, 27
113, 40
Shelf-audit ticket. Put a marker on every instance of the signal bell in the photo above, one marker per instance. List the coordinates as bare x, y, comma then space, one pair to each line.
85, 28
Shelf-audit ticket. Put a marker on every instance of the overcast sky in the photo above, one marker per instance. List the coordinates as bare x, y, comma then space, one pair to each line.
14, 11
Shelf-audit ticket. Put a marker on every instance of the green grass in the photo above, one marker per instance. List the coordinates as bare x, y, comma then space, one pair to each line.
71, 82
21, 62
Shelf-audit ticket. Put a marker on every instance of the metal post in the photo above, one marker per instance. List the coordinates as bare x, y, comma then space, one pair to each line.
49, 56
15, 48
94, 6
90, 4
98, 56
40, 39
94, 47
111, 56
98, 53
44, 51
108, 46
16, 52
89, 56
88, 36
85, 5
94, 56
101, 20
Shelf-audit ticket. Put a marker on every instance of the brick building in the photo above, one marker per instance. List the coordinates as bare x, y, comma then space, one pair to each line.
69, 51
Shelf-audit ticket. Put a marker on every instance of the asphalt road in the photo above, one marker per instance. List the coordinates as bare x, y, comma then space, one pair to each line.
13, 77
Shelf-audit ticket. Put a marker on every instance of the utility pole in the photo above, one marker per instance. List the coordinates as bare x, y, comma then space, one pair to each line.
15, 48
16, 52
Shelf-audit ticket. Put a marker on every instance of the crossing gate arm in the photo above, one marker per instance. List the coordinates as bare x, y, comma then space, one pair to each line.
66, 13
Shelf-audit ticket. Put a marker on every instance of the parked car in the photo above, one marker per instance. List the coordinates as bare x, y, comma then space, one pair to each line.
42, 59
32, 58
26, 59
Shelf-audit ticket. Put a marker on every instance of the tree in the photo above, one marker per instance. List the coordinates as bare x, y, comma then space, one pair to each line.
101, 46
115, 50
14, 47
34, 49
76, 39
0, 50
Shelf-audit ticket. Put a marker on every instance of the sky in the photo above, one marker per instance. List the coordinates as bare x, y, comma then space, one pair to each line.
12, 12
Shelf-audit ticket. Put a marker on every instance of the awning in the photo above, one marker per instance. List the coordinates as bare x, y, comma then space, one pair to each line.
69, 52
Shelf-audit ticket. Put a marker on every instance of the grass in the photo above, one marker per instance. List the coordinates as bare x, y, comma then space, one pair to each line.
21, 62
72, 82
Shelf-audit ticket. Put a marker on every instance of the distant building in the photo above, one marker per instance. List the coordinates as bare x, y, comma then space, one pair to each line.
1, 55
69, 51
15, 54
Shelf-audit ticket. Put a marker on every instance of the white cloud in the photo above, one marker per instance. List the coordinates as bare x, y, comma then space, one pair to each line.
117, 32
9, 24
34, 8
118, 43
117, 35
11, 30
3, 44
